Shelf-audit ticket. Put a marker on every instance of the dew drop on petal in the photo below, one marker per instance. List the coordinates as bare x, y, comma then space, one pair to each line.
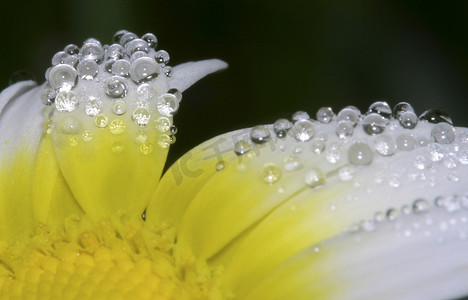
317, 146
333, 153
70, 125
408, 119
167, 105
141, 116
117, 126
401, 108
303, 130
349, 113
374, 123
150, 39
241, 147
120, 67
360, 154
435, 116
385, 145
325, 115
87, 136
314, 177
164, 141
119, 108
420, 206
59, 58
92, 50
101, 121
443, 133
62, 75
220, 165
66, 101
72, 49
260, 134
162, 57
271, 173
405, 142
392, 214
145, 92
118, 147
381, 108
48, 96
118, 35
114, 52
93, 107
163, 124
300, 115
292, 163
136, 45
344, 129
346, 173
116, 87
144, 69
176, 93
87, 69
281, 127
141, 137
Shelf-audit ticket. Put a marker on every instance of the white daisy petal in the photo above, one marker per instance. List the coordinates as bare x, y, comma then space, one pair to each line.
185, 75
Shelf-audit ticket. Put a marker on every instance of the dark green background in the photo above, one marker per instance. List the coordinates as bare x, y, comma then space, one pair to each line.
284, 55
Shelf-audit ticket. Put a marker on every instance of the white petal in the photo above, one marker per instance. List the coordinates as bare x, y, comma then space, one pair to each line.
186, 74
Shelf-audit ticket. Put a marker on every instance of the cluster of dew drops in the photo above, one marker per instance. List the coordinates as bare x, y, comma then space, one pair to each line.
130, 65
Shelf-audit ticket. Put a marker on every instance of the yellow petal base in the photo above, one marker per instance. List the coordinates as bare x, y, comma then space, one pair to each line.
110, 259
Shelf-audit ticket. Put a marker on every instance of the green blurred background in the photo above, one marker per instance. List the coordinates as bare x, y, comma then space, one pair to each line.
284, 56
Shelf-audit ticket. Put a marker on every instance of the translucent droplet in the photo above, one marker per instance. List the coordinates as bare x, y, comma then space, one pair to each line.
346, 173
145, 92
241, 147
385, 145
325, 115
144, 69
101, 121
121, 67
137, 55
72, 49
92, 51
374, 123
73, 142
72, 60
141, 137
118, 147
317, 146
220, 165
381, 108
47, 126
344, 129
59, 58
314, 177
392, 214
303, 130
70, 125
435, 116
114, 52
292, 163
136, 45
117, 126
420, 162
281, 127
405, 142
167, 70
118, 35
162, 57
87, 136
164, 141
333, 153
173, 139
443, 133
176, 93
260, 134
436, 152
66, 101
93, 107
119, 108
420, 206
141, 116
167, 105
408, 119
349, 113
127, 37
405, 210
400, 108
48, 96
62, 75
300, 115
150, 39
360, 154
87, 69
163, 124
271, 173
379, 216
116, 87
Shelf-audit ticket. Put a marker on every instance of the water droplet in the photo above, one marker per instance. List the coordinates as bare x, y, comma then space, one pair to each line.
127, 37
121, 67
344, 129
118, 147
136, 45
173, 139
303, 130
72, 49
379, 216
349, 113
101, 121
405, 142
360, 154
92, 50
346, 173
144, 69
420, 206
141, 137
333, 153
381, 108
374, 123
150, 39
220, 165
452, 176
118, 35
385, 145
392, 214
314, 177
164, 141
163, 124
59, 58
93, 107
119, 108
145, 92
408, 119
300, 115
463, 157
443, 133
241, 147
117, 126
62, 76
114, 52
87, 136
141, 116
401, 108
260, 134
405, 210
162, 57
70, 125
436, 152
66, 101
317, 146
292, 163
116, 87
435, 116
271, 173
48, 96
325, 115
73, 142
87, 69
420, 162
47, 126
167, 105
281, 127
450, 161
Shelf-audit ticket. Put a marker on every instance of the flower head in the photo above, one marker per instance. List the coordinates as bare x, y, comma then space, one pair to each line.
351, 205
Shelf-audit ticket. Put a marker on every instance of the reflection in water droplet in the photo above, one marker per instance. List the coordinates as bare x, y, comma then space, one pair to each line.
241, 147
163, 124
420, 205
144, 69
381, 108
120, 67
141, 116
325, 115
317, 146
281, 127
271, 173
392, 214
87, 69
167, 105
300, 115
62, 76
260, 134
443, 133
117, 126
360, 154
374, 124
220, 165
349, 113
385, 145
116, 87
314, 177
344, 129
408, 119
101, 121
66, 101
303, 130
333, 153
346, 173
119, 108
93, 107
435, 116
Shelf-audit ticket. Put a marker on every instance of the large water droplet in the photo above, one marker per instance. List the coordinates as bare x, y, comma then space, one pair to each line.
435, 116
374, 123
119, 108
333, 153
317, 146
93, 107
117, 126
92, 51
325, 115
360, 154
101, 121
167, 105
381, 108
420, 206
114, 52
66, 101
163, 124
144, 69
136, 45
303, 130
443, 133
344, 129
150, 39
121, 67
48, 96
349, 113
300, 115
62, 76
141, 116
116, 87
59, 58
405, 142
385, 145
87, 69
281, 127
260, 134
292, 163
162, 57
408, 119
